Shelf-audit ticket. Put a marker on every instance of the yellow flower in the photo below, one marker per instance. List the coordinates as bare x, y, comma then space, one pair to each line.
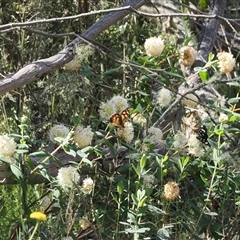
39, 216
171, 191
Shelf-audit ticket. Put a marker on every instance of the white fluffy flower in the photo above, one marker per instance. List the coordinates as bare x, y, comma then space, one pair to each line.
115, 105
148, 180
82, 136
126, 133
138, 118
226, 62
87, 185
68, 176
187, 56
223, 118
58, 131
164, 97
119, 102
179, 140
107, 110
7, 146
194, 147
154, 46
155, 134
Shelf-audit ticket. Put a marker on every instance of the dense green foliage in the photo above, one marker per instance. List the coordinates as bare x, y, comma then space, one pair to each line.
123, 204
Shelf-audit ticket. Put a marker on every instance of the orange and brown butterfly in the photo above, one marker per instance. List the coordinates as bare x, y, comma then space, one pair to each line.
118, 120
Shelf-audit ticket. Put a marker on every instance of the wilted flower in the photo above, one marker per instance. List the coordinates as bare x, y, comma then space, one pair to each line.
164, 97
84, 223
68, 176
154, 46
58, 131
126, 133
226, 62
190, 100
171, 191
7, 146
179, 140
87, 185
187, 56
39, 216
223, 118
82, 136
194, 147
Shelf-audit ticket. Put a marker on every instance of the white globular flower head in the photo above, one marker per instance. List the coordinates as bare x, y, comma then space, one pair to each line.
87, 186
194, 147
223, 118
164, 97
115, 105
58, 131
187, 56
226, 62
126, 133
7, 146
119, 102
140, 119
155, 134
68, 176
107, 110
179, 140
148, 180
154, 46
82, 136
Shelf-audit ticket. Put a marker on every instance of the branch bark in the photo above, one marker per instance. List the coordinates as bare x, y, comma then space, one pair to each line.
35, 70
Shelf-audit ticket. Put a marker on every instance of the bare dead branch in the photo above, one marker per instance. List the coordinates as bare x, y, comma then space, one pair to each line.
35, 70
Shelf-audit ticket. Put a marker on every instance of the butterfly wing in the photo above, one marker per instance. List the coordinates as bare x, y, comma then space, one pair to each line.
202, 135
118, 120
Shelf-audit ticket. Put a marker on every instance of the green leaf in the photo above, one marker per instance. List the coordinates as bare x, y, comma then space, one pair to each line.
163, 234
203, 75
120, 188
16, 171
143, 161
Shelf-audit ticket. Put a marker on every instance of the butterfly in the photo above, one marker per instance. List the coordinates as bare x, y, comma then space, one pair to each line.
202, 135
118, 120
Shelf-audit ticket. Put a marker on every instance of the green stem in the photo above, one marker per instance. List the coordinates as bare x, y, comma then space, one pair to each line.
34, 231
